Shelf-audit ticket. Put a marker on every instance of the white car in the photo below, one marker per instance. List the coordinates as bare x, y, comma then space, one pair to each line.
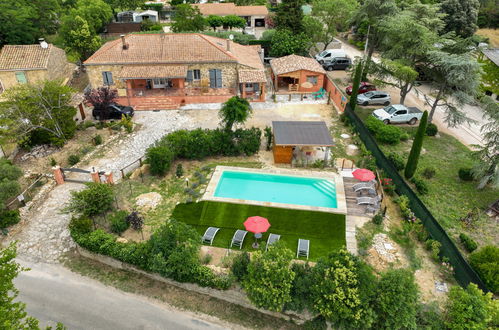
329, 54
398, 113
374, 97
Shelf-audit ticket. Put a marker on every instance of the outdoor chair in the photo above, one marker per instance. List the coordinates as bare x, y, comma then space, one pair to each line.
368, 200
370, 191
319, 94
238, 238
209, 235
372, 208
363, 185
303, 248
272, 239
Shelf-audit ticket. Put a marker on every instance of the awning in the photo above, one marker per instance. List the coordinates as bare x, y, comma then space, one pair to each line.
252, 76
152, 71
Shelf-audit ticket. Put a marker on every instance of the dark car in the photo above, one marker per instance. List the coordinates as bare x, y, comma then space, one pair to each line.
337, 63
363, 88
112, 111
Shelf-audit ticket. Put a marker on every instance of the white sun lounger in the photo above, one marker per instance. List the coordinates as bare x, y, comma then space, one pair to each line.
238, 238
271, 240
368, 200
303, 248
209, 235
363, 185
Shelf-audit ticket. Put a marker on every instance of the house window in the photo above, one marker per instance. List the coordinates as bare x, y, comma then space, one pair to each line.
107, 78
193, 75
21, 77
215, 78
312, 80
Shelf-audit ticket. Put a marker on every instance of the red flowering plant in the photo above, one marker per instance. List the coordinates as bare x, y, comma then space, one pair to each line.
388, 186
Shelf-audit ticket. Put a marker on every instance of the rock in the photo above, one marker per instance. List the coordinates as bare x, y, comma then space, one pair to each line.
148, 201
352, 150
121, 240
218, 270
345, 136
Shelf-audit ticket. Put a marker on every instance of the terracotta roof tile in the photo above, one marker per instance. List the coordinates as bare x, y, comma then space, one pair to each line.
174, 48
224, 9
153, 71
252, 76
24, 57
293, 63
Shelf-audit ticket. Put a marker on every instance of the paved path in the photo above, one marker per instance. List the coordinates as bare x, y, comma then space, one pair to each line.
54, 294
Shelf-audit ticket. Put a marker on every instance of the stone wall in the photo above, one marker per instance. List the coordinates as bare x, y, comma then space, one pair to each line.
8, 78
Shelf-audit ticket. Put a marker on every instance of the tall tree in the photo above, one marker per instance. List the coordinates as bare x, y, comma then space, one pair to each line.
214, 21
118, 5
461, 16
79, 40
329, 17
42, 108
235, 111
269, 278
188, 19
97, 13
397, 74
289, 15
456, 79
412, 161
285, 42
18, 23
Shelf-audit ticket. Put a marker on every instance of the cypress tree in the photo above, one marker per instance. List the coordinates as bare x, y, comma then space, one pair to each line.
412, 161
356, 85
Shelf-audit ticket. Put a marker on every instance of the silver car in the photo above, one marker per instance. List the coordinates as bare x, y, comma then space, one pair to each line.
374, 97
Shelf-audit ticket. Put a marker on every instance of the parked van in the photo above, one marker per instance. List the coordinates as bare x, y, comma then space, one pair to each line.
329, 54
337, 63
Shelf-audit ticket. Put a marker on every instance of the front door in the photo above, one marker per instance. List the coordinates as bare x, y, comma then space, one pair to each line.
159, 82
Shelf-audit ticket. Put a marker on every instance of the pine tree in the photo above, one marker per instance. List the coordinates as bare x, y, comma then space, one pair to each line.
412, 161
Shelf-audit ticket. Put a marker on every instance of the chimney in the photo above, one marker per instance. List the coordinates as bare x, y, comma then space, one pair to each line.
42, 43
124, 45
228, 45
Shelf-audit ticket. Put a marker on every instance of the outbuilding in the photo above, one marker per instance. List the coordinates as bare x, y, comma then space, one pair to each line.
295, 73
304, 141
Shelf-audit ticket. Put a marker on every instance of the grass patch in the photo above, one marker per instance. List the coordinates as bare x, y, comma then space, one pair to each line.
365, 236
326, 231
180, 298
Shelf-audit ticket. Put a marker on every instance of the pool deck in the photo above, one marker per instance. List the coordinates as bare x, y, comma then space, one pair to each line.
341, 208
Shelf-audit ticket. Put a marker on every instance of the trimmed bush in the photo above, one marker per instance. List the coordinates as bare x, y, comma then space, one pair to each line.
73, 159
8, 218
118, 222
388, 134
421, 185
429, 172
80, 226
468, 243
486, 263
160, 158
397, 160
431, 129
465, 174
96, 199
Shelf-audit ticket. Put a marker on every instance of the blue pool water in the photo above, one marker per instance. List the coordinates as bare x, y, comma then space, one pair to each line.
277, 189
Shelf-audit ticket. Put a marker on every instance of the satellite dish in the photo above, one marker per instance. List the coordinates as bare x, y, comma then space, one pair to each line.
43, 44
231, 37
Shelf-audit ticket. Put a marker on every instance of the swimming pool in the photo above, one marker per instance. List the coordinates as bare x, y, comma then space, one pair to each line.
282, 189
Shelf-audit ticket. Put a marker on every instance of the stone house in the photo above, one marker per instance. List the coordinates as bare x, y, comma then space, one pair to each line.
254, 15
163, 71
295, 73
21, 64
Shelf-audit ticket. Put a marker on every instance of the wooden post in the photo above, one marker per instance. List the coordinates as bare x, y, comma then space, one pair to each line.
140, 161
58, 176
329, 97
122, 174
82, 111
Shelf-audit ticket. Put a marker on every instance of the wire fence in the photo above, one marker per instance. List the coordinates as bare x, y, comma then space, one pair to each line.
131, 167
463, 272
27, 194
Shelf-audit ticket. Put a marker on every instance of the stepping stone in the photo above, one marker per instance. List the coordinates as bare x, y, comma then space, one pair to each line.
345, 136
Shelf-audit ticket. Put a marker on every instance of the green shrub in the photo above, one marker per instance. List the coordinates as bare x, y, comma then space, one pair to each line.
429, 172
378, 219
73, 159
97, 139
404, 137
160, 158
239, 266
468, 243
117, 221
431, 129
429, 316
8, 218
421, 185
397, 160
318, 323
53, 162
465, 174
80, 226
300, 289
95, 199
127, 123
388, 134
486, 263
268, 136
434, 247
179, 172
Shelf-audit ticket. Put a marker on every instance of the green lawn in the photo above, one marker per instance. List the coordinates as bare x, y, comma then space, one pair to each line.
326, 231
449, 198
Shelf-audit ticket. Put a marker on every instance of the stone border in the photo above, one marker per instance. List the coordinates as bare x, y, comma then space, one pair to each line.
341, 208
231, 296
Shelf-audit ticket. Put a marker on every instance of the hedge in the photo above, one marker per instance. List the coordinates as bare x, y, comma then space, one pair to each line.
388, 134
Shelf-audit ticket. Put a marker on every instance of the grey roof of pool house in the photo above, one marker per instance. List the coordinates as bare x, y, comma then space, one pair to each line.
301, 133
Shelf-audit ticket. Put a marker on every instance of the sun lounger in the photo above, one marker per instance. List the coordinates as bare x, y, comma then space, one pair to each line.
271, 240
370, 191
209, 235
238, 238
363, 185
303, 248
368, 200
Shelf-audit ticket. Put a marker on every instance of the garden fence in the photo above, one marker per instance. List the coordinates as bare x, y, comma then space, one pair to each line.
463, 272
130, 167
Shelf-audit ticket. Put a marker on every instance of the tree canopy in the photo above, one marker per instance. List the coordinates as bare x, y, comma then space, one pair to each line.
289, 16
461, 16
235, 111
188, 19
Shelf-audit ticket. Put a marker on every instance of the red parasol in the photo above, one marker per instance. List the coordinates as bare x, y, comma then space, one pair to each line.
257, 224
363, 174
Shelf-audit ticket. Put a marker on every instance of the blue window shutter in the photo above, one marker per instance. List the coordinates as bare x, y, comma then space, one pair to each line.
21, 77
212, 78
107, 77
255, 87
219, 78
110, 78
104, 78
189, 75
